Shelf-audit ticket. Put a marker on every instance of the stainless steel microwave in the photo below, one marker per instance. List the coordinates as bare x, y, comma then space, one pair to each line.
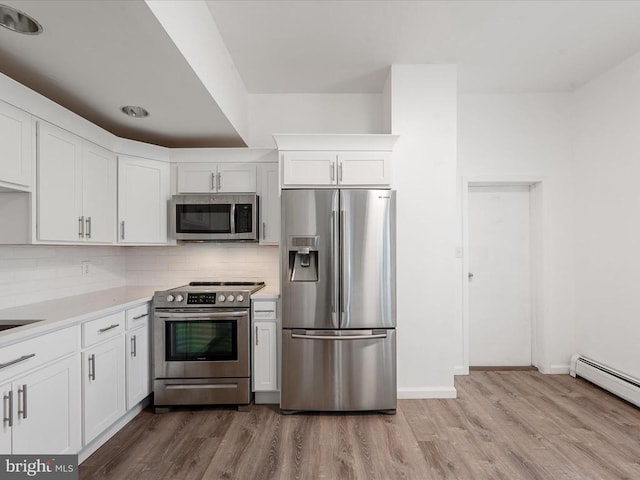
212, 217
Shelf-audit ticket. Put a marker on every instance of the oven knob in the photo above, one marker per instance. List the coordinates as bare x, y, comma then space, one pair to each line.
221, 298
240, 298
169, 298
230, 298
179, 298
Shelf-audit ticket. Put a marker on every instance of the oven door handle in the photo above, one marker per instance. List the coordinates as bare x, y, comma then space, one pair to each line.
200, 315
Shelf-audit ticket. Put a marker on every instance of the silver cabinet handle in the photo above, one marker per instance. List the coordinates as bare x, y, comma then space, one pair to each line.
8, 409
332, 170
133, 346
122, 230
339, 337
80, 227
110, 327
88, 225
17, 360
340, 172
141, 316
213, 182
264, 230
219, 181
22, 391
92, 366
257, 336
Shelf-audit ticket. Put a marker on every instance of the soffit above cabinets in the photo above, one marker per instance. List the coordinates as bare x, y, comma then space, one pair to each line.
94, 57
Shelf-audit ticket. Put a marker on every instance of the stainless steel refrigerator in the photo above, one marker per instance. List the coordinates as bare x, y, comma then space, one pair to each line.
338, 300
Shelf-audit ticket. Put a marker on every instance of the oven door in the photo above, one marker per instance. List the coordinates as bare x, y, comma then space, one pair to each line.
201, 343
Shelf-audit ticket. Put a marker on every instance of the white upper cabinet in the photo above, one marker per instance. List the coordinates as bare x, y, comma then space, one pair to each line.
76, 193
335, 160
269, 204
16, 158
143, 192
216, 178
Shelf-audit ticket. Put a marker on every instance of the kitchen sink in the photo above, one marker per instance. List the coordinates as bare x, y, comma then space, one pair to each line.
7, 324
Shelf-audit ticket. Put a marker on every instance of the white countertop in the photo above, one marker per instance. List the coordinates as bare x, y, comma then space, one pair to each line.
68, 311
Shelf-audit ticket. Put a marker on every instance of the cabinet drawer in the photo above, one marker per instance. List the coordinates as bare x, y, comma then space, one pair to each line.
32, 353
102, 328
137, 316
264, 310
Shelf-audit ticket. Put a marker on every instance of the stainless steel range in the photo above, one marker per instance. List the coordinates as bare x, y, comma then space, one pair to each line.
201, 335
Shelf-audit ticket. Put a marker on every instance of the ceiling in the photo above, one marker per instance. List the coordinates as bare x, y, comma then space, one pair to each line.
96, 56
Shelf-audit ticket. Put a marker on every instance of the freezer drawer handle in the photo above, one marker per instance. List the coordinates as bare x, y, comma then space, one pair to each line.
340, 337
208, 386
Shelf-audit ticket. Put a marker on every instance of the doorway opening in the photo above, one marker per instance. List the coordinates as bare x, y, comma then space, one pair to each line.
502, 226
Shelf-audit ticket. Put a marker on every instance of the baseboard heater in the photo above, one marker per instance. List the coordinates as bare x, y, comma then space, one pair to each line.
612, 380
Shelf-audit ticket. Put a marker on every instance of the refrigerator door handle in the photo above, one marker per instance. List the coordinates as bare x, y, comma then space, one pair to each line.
335, 265
339, 337
345, 260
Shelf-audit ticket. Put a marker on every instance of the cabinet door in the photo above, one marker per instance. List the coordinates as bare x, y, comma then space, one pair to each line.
269, 204
197, 178
15, 146
103, 379
143, 191
7, 412
265, 357
98, 193
137, 365
364, 168
308, 168
59, 195
236, 178
47, 410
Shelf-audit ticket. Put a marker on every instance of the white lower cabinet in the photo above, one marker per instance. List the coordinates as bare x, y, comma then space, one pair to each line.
41, 400
265, 346
103, 380
46, 405
138, 364
265, 357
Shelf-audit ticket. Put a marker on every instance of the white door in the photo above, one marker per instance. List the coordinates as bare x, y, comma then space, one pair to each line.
500, 311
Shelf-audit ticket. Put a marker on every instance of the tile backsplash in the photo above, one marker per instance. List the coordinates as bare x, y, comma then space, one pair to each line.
33, 273
178, 265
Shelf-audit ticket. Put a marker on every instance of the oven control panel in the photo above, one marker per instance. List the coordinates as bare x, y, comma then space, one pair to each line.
186, 299
201, 298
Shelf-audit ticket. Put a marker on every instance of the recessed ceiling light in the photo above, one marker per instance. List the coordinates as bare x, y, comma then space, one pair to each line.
134, 111
18, 21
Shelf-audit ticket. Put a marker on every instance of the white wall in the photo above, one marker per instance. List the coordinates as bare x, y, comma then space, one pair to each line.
30, 273
606, 173
528, 136
423, 107
312, 113
174, 266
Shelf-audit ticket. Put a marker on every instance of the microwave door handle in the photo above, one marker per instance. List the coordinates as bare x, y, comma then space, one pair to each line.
233, 217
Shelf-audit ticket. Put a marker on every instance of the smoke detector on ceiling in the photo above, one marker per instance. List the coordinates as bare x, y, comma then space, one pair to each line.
18, 21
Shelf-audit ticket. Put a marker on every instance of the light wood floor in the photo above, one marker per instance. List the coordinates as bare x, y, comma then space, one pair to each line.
504, 425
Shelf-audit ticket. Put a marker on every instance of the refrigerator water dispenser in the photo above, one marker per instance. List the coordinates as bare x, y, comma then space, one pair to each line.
303, 259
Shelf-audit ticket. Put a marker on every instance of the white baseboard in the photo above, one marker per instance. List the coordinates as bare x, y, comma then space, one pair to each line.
460, 370
88, 450
426, 392
558, 369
